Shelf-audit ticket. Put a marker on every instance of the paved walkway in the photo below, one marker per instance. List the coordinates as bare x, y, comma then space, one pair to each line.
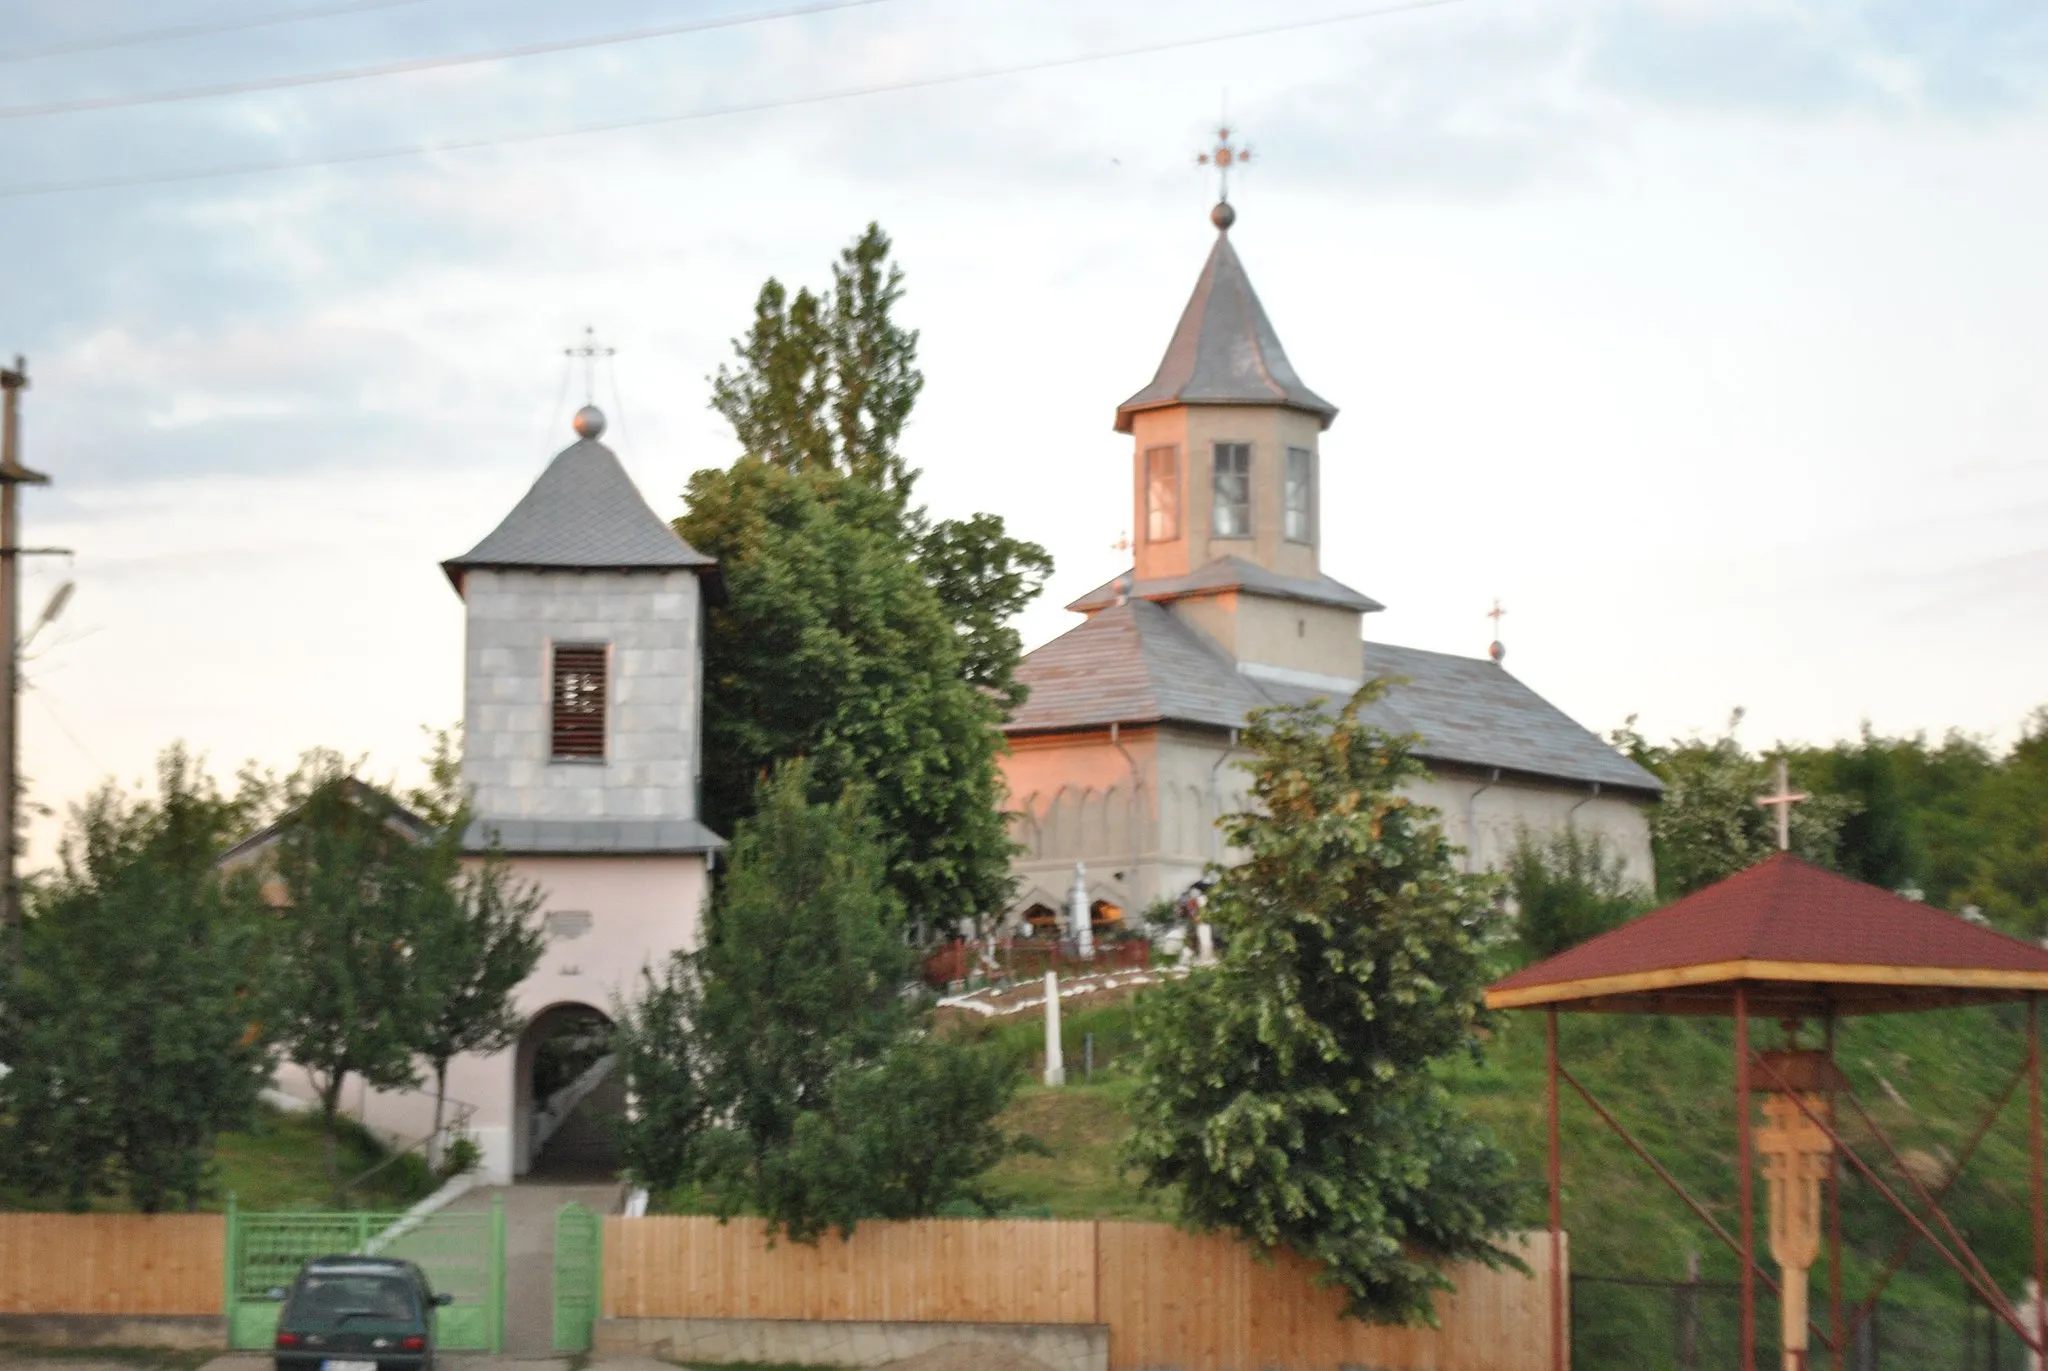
530, 1253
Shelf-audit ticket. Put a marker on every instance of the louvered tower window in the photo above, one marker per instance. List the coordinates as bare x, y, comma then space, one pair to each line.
579, 701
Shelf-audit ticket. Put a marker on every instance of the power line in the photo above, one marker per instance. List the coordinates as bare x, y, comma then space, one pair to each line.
463, 59
689, 116
197, 30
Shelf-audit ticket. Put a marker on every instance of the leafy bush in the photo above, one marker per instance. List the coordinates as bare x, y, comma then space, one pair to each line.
1566, 890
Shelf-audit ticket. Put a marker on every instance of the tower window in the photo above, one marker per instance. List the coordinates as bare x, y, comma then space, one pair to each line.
1162, 494
1230, 510
1299, 505
579, 701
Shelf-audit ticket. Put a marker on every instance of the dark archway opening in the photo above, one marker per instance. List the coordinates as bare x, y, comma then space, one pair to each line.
569, 1097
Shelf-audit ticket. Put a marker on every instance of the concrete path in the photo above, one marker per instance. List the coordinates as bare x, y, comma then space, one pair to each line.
530, 1253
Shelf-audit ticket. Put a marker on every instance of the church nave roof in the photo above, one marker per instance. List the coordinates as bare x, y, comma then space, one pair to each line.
1136, 663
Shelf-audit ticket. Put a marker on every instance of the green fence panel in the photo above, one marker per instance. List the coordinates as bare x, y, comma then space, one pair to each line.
463, 1255
579, 1268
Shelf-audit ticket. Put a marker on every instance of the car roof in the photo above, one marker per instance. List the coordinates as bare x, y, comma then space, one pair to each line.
359, 1266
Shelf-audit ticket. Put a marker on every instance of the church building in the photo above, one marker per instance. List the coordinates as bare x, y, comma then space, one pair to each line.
1120, 759
582, 709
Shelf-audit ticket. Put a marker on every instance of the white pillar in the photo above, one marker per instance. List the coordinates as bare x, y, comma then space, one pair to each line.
1079, 916
1205, 945
1055, 1064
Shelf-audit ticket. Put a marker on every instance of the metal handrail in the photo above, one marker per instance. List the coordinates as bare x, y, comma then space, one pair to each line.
457, 1119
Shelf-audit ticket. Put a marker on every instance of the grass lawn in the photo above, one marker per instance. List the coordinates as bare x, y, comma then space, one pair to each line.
1080, 1127
276, 1164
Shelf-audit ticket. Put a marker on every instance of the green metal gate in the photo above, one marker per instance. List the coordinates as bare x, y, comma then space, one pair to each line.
462, 1253
579, 1275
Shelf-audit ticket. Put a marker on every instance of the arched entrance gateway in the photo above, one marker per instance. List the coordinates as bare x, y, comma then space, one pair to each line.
566, 1096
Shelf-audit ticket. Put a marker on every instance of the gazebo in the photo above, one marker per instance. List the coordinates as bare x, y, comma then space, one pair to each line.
1790, 941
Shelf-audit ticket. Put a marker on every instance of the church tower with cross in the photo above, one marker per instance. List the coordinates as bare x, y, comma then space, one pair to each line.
582, 738
1119, 760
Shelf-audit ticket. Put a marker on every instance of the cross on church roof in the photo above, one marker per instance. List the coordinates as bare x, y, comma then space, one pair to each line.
589, 350
1223, 157
1783, 802
1498, 650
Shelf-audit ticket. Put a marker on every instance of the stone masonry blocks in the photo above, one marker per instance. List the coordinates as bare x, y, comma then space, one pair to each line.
804, 1342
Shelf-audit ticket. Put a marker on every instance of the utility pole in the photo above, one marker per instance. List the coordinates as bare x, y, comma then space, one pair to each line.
13, 476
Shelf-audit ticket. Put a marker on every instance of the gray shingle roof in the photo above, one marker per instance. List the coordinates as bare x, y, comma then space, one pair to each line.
598, 837
1232, 573
583, 513
1470, 710
1131, 663
1224, 351
1137, 663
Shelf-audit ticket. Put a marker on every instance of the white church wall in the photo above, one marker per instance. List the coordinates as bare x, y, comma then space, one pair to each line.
651, 620
1486, 819
1062, 791
1320, 640
641, 909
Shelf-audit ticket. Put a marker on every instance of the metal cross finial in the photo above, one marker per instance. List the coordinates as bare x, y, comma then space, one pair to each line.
1223, 157
1498, 650
1122, 543
589, 350
1783, 802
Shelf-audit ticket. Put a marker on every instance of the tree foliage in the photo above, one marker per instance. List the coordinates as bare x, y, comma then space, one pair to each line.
133, 1037
1708, 824
858, 632
1287, 1095
780, 1068
1566, 889
475, 938
347, 995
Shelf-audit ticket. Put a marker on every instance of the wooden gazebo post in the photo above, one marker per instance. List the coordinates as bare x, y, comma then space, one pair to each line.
1744, 1198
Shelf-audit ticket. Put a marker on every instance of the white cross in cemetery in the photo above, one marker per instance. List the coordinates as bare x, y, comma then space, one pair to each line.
1783, 802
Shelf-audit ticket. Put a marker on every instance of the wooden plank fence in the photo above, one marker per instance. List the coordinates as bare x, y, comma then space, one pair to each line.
1170, 1299
142, 1264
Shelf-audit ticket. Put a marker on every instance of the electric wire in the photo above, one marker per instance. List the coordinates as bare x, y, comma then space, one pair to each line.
253, 168
201, 29
414, 64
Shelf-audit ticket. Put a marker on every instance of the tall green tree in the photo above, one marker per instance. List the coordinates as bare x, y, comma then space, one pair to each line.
1287, 1095
477, 935
346, 996
834, 647
133, 1038
763, 1062
859, 631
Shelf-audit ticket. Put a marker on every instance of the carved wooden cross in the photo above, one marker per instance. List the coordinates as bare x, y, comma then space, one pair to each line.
1783, 802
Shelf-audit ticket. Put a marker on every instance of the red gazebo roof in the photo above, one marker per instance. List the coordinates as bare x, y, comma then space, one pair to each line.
1805, 942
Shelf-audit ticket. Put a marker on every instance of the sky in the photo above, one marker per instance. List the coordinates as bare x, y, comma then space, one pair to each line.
1706, 336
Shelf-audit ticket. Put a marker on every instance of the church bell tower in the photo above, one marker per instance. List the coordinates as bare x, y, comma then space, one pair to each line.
1226, 489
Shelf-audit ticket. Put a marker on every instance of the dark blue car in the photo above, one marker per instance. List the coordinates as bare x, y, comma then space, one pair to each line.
357, 1314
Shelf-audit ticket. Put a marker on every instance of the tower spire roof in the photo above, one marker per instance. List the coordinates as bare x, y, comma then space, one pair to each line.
1224, 351
584, 514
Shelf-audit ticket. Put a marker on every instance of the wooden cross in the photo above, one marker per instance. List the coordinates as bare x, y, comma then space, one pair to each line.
1783, 802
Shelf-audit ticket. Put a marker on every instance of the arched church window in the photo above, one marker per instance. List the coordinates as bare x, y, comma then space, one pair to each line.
1162, 494
1298, 506
1231, 485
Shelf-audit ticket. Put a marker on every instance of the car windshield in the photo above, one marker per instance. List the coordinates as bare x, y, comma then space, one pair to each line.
331, 1297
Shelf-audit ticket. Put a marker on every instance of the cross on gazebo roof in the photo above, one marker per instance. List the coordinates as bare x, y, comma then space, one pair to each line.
1783, 801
